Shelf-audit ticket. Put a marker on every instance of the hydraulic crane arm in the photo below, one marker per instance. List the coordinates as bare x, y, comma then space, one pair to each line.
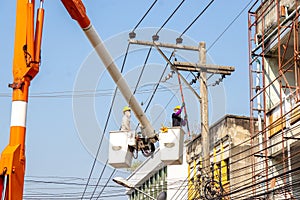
25, 67
77, 11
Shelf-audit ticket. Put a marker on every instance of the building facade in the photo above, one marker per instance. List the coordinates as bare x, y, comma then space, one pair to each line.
230, 158
153, 176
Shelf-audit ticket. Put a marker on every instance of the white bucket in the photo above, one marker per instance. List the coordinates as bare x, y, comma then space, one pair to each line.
119, 155
171, 146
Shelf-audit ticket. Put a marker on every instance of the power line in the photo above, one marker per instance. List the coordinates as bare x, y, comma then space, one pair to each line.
106, 124
157, 84
112, 173
189, 26
229, 25
144, 16
156, 87
142, 71
98, 182
85, 93
100, 143
170, 17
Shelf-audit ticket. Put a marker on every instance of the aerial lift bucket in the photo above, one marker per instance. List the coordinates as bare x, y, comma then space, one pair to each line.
119, 155
171, 146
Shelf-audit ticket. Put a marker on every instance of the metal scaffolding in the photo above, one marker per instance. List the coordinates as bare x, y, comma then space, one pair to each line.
274, 76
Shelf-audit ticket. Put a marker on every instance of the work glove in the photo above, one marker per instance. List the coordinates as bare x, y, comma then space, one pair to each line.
183, 104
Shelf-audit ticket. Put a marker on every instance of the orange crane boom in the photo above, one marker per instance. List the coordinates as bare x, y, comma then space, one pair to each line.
26, 63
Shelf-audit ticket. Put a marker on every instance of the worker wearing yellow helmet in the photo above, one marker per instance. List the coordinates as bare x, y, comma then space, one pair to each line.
125, 126
126, 108
176, 118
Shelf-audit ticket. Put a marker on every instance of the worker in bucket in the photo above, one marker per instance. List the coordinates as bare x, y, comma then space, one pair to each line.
125, 126
176, 118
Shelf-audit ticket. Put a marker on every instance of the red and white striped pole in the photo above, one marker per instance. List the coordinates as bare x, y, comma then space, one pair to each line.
18, 117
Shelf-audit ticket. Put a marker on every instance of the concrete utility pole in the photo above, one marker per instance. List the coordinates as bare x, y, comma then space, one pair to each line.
203, 68
204, 107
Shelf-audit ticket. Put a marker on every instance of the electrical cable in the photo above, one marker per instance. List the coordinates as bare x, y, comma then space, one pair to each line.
150, 51
169, 17
112, 173
156, 88
72, 178
233, 189
158, 83
106, 124
229, 25
98, 182
100, 143
142, 71
201, 13
181, 190
242, 182
144, 15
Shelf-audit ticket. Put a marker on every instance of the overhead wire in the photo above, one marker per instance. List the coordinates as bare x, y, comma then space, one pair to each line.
201, 13
156, 87
142, 71
106, 124
242, 182
98, 182
140, 21
148, 54
236, 188
239, 14
112, 173
99, 147
114, 95
176, 9
229, 25
154, 188
146, 60
170, 17
158, 83
85, 93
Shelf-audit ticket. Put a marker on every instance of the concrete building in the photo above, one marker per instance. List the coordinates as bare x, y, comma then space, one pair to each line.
230, 158
153, 176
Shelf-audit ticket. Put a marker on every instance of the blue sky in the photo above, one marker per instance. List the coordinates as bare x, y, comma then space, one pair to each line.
56, 145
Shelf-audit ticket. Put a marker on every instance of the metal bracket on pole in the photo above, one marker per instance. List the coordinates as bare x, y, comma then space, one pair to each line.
172, 66
209, 68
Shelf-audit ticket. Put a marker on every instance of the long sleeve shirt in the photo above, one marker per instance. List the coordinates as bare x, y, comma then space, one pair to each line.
177, 120
125, 126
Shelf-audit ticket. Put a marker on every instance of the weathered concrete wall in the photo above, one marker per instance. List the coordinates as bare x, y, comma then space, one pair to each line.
194, 149
240, 171
267, 14
237, 127
233, 132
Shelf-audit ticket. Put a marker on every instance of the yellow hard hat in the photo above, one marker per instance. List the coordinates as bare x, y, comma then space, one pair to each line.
177, 108
126, 108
